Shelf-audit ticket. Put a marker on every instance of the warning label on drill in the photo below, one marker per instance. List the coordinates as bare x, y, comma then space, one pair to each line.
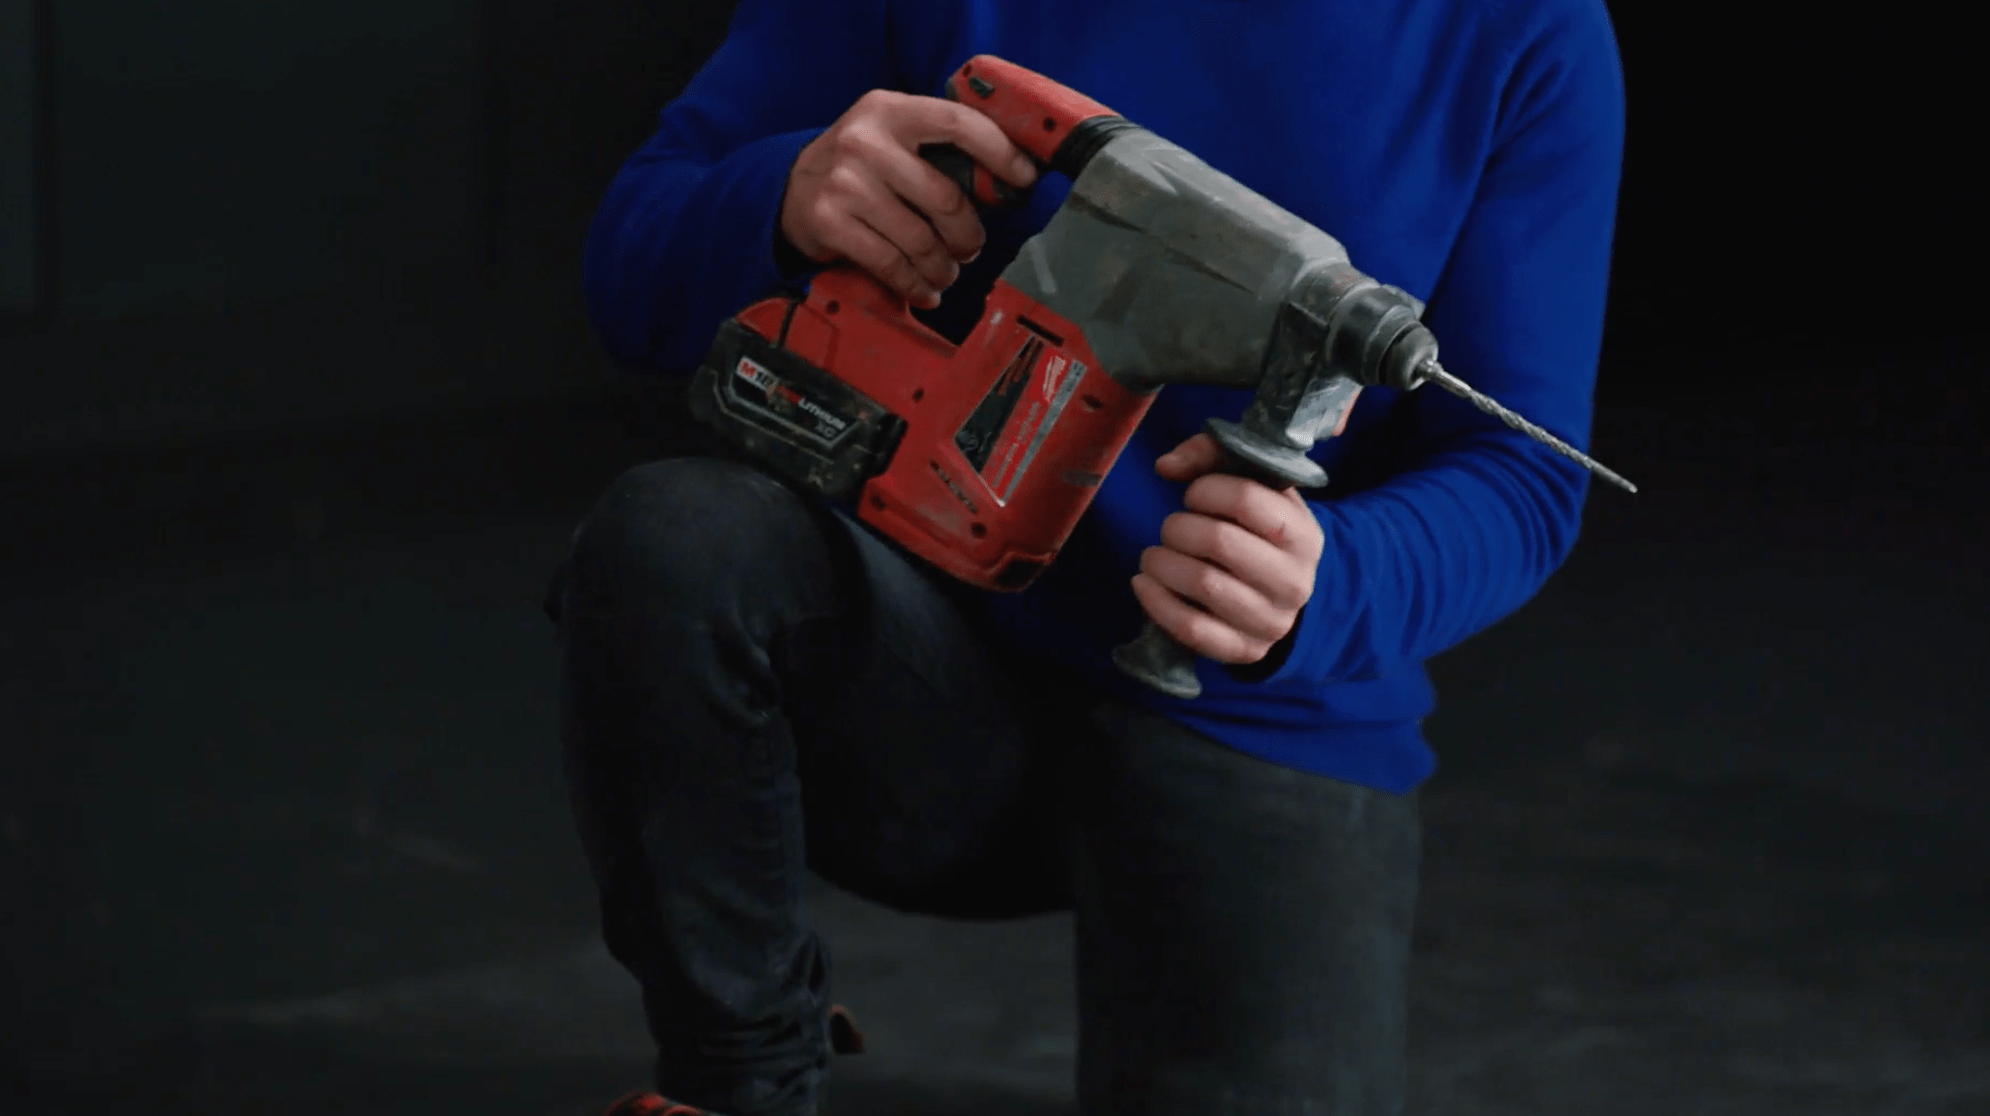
1001, 438
754, 385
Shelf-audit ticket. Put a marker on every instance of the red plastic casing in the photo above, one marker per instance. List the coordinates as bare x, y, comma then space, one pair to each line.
998, 522
997, 519
1037, 114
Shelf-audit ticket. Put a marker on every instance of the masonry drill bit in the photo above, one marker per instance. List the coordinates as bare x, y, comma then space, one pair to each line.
1435, 373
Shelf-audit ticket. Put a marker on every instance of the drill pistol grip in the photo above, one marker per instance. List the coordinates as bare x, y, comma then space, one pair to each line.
1059, 128
976, 181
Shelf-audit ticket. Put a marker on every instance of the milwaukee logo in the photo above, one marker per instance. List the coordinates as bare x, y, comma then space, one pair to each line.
1053, 374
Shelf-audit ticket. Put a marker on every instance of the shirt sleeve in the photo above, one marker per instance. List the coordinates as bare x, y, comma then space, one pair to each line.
1475, 525
686, 234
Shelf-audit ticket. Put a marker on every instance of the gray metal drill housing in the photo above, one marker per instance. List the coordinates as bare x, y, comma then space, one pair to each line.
1179, 274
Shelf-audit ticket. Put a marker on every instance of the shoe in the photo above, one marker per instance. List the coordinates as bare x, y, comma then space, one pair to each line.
649, 1104
844, 1038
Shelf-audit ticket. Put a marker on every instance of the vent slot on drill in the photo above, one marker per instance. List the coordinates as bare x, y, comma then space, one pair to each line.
1055, 339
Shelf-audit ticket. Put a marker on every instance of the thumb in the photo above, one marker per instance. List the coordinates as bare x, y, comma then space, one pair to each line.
1189, 460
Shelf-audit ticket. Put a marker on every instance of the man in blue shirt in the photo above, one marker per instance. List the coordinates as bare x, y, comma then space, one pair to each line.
754, 686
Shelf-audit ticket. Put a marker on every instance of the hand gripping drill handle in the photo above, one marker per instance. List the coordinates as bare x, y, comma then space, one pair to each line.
1054, 125
1156, 658
1338, 332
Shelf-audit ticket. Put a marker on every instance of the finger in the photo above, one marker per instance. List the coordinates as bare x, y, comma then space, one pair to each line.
916, 239
956, 225
1196, 630
1191, 459
922, 120
1340, 427
1235, 549
1281, 519
869, 249
1284, 580
1219, 592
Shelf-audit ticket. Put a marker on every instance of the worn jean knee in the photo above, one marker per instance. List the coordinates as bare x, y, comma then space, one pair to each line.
1244, 930
690, 536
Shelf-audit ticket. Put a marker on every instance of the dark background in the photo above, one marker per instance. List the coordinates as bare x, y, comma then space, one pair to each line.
302, 405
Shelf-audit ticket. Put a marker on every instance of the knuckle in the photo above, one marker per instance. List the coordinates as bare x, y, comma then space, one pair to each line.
825, 215
1228, 542
1295, 593
1283, 597
946, 199
1211, 584
1281, 623
957, 225
860, 144
886, 263
843, 178
938, 270
1229, 647
921, 240
847, 135
1198, 630
1302, 585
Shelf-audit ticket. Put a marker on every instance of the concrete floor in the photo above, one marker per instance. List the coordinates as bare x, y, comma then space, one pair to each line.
282, 825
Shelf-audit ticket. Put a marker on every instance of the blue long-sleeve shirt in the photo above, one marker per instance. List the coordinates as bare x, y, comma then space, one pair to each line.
1467, 151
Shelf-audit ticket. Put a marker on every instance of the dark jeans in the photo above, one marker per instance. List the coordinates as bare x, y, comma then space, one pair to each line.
753, 687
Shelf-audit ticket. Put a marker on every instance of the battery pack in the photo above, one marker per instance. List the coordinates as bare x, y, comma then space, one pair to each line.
794, 418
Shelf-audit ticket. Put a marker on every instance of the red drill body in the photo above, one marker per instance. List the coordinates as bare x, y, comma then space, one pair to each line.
1000, 442
1006, 437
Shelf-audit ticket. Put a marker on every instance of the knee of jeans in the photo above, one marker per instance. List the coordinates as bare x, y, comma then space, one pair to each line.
692, 531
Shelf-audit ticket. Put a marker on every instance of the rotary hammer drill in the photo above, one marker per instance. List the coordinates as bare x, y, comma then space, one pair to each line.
1157, 269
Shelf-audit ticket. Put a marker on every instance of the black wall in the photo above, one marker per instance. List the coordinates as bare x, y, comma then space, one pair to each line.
264, 214
252, 215
1794, 177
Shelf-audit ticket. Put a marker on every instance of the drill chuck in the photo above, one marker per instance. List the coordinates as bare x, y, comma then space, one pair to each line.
1374, 334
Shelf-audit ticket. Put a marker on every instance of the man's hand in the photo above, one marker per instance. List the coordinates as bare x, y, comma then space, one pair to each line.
1234, 568
860, 192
